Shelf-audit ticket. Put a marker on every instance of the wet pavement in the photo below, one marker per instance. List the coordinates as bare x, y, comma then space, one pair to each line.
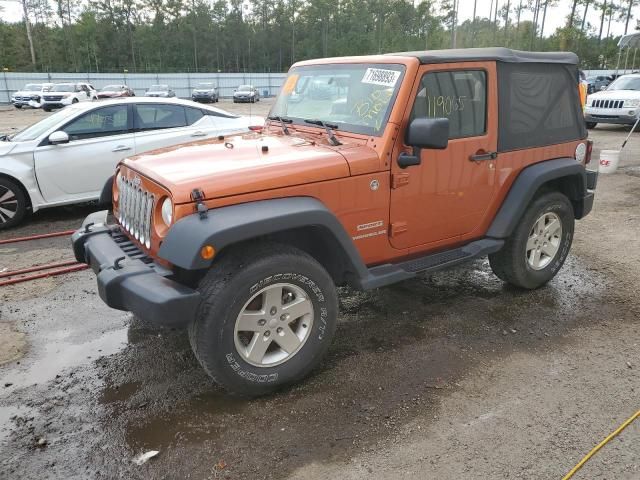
422, 378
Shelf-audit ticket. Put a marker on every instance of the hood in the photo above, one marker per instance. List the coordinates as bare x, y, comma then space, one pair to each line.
239, 164
616, 94
27, 92
6, 147
203, 90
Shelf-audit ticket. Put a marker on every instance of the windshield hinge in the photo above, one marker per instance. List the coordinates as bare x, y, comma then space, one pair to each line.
197, 195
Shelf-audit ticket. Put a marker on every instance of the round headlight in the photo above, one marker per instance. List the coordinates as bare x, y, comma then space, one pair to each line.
167, 211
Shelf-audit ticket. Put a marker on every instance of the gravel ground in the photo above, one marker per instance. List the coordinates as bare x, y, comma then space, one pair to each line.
452, 375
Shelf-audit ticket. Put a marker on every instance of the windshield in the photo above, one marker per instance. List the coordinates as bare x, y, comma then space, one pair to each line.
244, 88
33, 87
204, 86
625, 83
356, 98
64, 87
37, 129
158, 88
111, 88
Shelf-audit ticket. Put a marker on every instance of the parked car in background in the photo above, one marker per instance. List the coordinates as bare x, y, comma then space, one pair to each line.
205, 92
68, 156
30, 95
597, 83
159, 91
116, 91
618, 104
246, 93
63, 94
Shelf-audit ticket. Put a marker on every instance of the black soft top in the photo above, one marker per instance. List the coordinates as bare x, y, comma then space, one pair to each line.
499, 54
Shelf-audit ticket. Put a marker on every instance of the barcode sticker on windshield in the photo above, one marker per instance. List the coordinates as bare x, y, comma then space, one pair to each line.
378, 76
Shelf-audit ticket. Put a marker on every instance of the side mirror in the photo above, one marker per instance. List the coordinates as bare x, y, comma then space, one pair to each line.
428, 133
424, 133
59, 137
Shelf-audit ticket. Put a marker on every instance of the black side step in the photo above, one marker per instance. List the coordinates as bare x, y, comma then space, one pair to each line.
390, 273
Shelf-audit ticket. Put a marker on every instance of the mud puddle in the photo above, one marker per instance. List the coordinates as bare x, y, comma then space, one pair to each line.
397, 354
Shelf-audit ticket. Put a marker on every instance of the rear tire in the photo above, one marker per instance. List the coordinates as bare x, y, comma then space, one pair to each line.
247, 334
46, 109
539, 245
18, 106
591, 125
13, 204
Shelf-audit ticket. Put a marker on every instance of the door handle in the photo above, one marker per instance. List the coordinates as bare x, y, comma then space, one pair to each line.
121, 148
479, 157
199, 134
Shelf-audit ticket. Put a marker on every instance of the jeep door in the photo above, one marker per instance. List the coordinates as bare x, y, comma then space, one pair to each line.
159, 125
78, 170
447, 196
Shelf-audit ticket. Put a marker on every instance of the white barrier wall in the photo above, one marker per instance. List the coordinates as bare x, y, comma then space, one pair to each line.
182, 83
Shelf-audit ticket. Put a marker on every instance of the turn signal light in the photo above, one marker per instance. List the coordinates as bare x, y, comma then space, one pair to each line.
207, 252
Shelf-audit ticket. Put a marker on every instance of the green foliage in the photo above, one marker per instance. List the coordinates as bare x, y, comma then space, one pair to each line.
268, 35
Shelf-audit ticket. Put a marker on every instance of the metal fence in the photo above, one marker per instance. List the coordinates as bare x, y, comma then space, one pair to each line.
268, 84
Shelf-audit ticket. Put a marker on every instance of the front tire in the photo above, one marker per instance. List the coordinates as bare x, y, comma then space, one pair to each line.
18, 106
591, 125
13, 204
266, 319
539, 245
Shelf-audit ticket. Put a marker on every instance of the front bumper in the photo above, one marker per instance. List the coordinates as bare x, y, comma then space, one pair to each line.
128, 279
243, 99
618, 116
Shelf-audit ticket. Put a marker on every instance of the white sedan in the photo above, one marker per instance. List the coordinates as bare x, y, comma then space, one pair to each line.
69, 156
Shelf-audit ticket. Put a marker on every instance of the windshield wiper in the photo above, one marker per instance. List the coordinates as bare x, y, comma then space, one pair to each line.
283, 121
329, 128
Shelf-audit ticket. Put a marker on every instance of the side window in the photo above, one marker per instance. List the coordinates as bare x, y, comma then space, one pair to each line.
193, 115
102, 122
157, 116
460, 96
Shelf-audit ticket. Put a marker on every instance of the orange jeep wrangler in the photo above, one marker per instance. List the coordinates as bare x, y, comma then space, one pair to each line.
368, 171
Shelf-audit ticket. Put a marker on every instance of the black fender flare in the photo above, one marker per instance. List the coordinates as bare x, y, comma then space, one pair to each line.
106, 195
226, 226
527, 184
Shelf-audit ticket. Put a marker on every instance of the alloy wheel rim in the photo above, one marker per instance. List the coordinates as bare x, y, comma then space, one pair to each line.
8, 204
544, 241
273, 325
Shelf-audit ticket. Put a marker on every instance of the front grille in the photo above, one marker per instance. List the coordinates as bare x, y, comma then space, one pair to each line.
135, 210
53, 98
607, 103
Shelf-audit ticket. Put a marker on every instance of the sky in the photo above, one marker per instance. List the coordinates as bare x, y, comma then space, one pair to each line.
13, 13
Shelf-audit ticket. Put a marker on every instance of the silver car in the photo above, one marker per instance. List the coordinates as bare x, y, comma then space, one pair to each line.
159, 91
246, 93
